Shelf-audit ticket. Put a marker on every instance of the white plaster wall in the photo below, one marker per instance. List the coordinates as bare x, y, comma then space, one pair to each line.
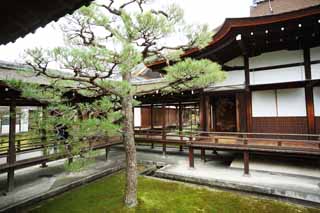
232, 78
315, 53
264, 103
24, 120
238, 61
277, 75
315, 71
5, 129
316, 94
315, 68
291, 102
137, 117
276, 58
17, 128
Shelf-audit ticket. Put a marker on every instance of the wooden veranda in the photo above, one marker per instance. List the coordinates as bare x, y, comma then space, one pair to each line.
246, 143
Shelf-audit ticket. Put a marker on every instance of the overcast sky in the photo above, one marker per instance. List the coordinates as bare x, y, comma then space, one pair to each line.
211, 12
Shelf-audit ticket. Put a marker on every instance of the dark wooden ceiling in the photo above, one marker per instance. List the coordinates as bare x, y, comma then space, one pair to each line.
20, 17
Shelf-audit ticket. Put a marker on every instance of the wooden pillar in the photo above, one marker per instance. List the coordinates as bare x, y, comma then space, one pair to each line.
248, 98
164, 145
204, 118
11, 159
163, 121
309, 92
207, 112
151, 116
246, 162
43, 133
191, 157
180, 125
202, 113
151, 122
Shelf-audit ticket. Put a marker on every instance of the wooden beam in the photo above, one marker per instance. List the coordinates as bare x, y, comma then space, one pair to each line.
11, 159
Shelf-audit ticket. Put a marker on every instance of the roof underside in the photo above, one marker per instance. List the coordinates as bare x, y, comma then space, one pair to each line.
292, 30
18, 18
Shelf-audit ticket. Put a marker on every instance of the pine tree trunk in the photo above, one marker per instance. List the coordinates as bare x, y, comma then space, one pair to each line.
130, 199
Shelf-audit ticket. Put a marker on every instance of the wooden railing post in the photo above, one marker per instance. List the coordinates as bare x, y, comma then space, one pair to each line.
203, 154
43, 134
191, 157
11, 159
19, 145
246, 162
107, 152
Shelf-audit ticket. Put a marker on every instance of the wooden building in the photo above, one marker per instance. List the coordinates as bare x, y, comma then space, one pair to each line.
273, 76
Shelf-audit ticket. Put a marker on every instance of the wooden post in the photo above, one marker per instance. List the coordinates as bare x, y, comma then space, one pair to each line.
151, 116
309, 92
43, 135
151, 122
180, 125
11, 159
248, 97
164, 149
163, 122
191, 157
107, 152
203, 154
246, 162
164, 145
202, 113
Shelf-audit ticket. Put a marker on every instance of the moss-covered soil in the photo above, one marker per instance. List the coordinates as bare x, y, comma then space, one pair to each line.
105, 195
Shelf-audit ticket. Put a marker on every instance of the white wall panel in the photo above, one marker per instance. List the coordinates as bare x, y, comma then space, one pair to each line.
137, 117
238, 61
315, 71
264, 103
277, 75
17, 128
276, 58
316, 94
5, 129
232, 78
315, 53
291, 102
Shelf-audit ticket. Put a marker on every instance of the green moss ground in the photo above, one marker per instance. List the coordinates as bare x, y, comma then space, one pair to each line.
105, 195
